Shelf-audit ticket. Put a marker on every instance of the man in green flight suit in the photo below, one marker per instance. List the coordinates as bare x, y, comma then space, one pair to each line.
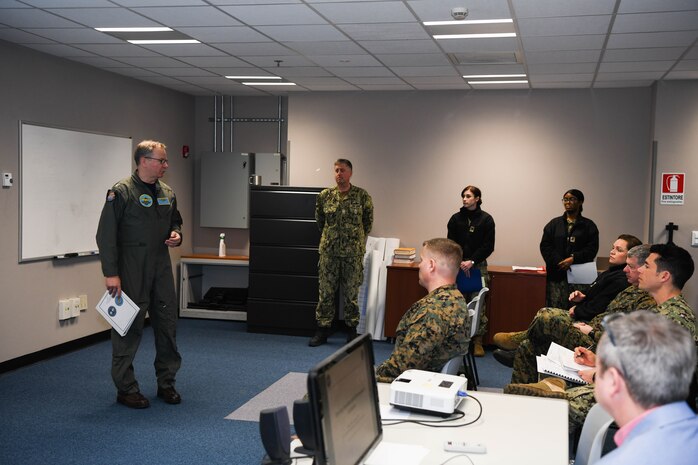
344, 214
139, 222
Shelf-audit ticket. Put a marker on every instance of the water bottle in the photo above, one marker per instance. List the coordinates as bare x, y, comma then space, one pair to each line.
221, 246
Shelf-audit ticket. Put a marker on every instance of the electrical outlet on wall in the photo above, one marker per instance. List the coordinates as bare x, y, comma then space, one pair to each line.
75, 307
83, 302
64, 311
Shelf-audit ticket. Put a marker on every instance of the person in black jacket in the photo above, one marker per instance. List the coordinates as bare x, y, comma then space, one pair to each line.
552, 324
473, 229
567, 240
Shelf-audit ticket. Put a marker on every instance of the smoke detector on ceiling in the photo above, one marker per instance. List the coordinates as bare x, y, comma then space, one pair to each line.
459, 13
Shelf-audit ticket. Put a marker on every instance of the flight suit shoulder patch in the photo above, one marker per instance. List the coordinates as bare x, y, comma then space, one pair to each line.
111, 195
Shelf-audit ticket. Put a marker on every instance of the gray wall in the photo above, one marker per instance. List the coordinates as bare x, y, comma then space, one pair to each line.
414, 152
676, 133
46, 89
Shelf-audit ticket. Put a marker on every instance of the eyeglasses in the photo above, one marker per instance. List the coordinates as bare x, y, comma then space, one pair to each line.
607, 329
162, 161
569, 199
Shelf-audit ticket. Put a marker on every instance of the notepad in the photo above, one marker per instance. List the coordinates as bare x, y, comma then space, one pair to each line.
559, 361
119, 312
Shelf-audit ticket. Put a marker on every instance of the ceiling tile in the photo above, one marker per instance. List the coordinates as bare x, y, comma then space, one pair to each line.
567, 26
561, 77
97, 62
490, 69
426, 71
256, 48
152, 62
385, 31
341, 86
610, 84
683, 74
378, 12
551, 8
60, 50
136, 3
76, 36
224, 34
369, 71
644, 6
657, 22
30, 17
274, 15
69, 3
643, 54
622, 66
21, 37
545, 44
638, 76
562, 68
214, 62
442, 80
183, 72
290, 73
118, 50
652, 39
344, 47
415, 59
344, 60
501, 44
385, 88
103, 17
185, 50
188, 16
286, 61
563, 56
561, 85
302, 33
400, 46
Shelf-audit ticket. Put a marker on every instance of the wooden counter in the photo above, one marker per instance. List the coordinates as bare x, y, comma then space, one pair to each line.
512, 302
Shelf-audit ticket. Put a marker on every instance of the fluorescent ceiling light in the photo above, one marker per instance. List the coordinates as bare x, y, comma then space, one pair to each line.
474, 21
133, 29
269, 83
164, 42
474, 36
253, 77
524, 81
481, 76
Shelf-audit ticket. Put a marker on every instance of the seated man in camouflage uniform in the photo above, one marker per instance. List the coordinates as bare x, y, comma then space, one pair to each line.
663, 275
557, 325
436, 328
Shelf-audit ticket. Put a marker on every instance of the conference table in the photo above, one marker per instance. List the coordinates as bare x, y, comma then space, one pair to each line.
515, 429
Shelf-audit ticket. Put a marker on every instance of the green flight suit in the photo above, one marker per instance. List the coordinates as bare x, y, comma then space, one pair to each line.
131, 238
344, 221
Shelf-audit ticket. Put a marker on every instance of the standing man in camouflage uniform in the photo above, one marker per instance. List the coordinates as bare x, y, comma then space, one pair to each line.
665, 272
139, 222
344, 214
436, 328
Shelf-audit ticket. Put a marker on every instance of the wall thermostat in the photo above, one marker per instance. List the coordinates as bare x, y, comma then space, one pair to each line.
7, 179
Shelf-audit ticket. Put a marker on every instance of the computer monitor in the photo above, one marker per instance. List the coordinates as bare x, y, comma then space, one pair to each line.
343, 398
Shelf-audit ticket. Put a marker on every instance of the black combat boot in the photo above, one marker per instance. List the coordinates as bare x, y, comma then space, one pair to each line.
320, 337
351, 333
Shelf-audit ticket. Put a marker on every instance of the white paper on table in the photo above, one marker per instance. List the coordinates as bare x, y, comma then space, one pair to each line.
584, 273
119, 312
391, 453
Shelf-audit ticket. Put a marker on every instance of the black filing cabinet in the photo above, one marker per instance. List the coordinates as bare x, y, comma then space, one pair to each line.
284, 240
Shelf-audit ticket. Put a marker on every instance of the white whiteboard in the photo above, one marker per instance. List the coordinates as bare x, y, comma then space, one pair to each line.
64, 177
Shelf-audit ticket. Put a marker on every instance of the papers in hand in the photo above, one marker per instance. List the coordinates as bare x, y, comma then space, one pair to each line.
584, 273
119, 312
559, 361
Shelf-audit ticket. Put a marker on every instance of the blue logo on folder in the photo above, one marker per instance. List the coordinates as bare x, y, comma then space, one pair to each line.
112, 311
119, 300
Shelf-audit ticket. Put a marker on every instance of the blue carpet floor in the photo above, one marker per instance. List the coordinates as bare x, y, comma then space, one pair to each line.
64, 410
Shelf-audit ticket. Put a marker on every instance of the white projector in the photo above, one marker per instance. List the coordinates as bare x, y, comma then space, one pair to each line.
427, 392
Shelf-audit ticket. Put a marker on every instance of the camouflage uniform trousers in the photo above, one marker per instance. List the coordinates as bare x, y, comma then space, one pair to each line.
482, 329
346, 273
557, 293
549, 325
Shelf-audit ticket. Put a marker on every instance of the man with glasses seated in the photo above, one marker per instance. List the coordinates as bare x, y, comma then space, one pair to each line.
665, 272
645, 364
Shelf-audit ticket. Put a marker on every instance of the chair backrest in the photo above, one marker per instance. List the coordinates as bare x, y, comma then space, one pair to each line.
479, 302
593, 433
453, 366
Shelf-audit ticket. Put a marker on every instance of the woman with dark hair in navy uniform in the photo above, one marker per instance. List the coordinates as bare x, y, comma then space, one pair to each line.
567, 240
473, 229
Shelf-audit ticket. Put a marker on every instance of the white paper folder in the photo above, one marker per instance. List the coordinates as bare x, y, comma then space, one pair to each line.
119, 312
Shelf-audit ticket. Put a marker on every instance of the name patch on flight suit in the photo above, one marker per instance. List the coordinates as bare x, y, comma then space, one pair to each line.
145, 200
163, 201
